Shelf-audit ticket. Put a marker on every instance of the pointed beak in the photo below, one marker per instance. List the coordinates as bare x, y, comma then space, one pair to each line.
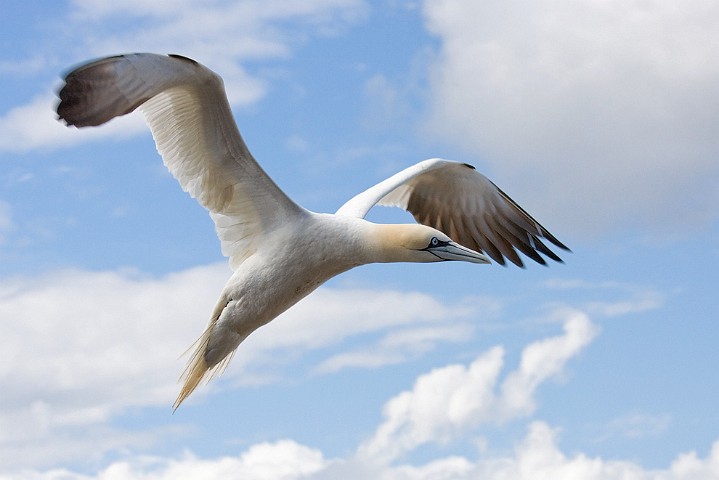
455, 251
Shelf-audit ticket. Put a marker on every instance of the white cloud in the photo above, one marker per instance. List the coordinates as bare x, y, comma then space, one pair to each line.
542, 360
441, 402
633, 298
221, 32
447, 401
638, 425
537, 456
79, 348
641, 301
220, 35
281, 460
330, 316
35, 126
448, 404
398, 346
602, 114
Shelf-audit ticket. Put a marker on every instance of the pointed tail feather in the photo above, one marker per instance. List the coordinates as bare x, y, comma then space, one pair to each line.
197, 368
194, 374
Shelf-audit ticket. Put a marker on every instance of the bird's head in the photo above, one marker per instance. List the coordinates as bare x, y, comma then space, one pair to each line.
423, 244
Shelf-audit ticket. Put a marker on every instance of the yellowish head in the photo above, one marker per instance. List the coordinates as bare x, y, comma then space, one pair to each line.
420, 243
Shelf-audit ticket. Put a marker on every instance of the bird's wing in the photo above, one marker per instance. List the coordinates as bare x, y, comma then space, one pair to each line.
461, 202
187, 110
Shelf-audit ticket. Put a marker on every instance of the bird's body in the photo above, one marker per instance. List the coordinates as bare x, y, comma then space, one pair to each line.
270, 280
279, 251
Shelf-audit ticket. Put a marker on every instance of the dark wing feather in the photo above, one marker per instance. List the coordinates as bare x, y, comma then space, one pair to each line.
461, 202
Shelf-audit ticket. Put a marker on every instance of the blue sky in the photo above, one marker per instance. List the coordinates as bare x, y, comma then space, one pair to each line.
600, 118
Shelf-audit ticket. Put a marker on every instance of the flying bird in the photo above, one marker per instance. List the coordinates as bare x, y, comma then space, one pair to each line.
279, 251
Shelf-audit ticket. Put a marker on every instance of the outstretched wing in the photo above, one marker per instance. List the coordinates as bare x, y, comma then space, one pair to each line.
461, 202
186, 108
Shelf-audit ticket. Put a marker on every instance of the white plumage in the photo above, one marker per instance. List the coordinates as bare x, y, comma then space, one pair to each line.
279, 251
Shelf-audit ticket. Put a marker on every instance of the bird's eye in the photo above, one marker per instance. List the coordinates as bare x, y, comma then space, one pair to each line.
434, 242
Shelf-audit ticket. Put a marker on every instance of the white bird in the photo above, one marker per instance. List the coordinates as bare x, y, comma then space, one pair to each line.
279, 251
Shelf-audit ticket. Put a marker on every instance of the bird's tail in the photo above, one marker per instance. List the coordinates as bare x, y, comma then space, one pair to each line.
198, 368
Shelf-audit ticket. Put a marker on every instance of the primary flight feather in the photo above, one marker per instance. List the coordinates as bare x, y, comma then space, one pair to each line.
279, 251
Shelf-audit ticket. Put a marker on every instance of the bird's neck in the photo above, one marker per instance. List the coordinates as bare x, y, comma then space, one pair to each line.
355, 241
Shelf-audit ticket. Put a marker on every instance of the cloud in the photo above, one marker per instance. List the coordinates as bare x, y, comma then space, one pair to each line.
329, 317
385, 107
445, 405
445, 402
602, 113
440, 403
542, 360
23, 68
221, 35
397, 346
641, 301
281, 460
35, 126
78, 348
633, 298
536, 456
638, 425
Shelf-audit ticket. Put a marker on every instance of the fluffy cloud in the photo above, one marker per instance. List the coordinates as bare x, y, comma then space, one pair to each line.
35, 125
77, 348
220, 33
602, 113
65, 371
103, 341
281, 460
537, 456
221, 36
542, 360
449, 400
445, 404
394, 327
441, 402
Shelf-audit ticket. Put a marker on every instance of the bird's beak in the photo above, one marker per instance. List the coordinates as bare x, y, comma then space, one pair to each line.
455, 251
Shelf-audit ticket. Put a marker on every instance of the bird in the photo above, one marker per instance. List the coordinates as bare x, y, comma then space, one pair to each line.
279, 252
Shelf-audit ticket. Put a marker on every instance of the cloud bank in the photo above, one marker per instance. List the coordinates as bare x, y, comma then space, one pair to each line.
603, 114
78, 349
445, 405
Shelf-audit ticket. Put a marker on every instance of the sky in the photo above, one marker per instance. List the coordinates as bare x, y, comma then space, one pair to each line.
601, 118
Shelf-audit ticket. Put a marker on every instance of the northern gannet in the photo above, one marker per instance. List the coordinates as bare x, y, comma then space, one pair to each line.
280, 252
